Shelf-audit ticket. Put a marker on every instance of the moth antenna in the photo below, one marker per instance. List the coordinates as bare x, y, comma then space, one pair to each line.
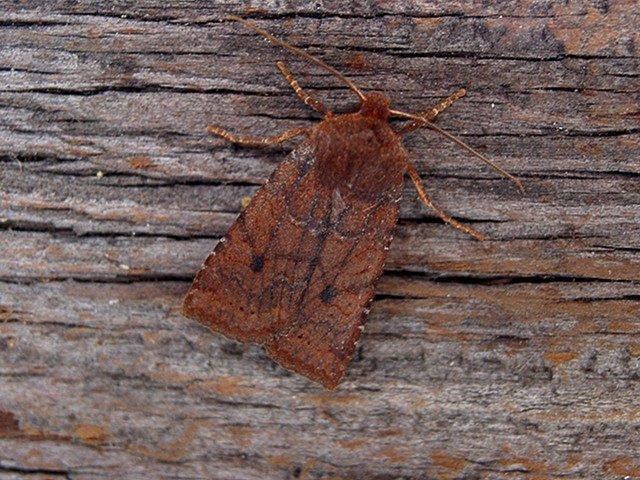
299, 52
476, 153
460, 143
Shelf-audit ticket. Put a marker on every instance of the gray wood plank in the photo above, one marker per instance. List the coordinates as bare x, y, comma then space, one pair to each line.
518, 357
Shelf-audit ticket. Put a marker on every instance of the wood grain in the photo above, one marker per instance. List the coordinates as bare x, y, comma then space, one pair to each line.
515, 358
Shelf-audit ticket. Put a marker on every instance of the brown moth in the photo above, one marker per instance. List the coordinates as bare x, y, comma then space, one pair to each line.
296, 271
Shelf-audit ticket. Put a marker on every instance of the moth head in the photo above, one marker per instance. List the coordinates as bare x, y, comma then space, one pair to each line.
375, 104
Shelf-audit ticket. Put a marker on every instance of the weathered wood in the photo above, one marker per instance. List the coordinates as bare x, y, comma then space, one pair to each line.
518, 357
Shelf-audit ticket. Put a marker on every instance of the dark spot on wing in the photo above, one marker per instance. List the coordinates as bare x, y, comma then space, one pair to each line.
328, 294
257, 263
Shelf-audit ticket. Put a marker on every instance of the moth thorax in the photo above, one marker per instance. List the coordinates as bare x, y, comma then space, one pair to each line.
375, 104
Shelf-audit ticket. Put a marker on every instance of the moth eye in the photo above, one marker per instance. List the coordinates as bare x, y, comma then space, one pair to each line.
257, 263
328, 294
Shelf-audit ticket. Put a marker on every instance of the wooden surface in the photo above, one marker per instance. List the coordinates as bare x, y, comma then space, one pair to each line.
514, 358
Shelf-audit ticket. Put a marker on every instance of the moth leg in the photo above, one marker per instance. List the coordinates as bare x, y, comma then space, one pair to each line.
302, 95
422, 194
442, 105
433, 112
256, 141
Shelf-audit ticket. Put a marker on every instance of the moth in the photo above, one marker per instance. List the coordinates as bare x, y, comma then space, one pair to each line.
296, 271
